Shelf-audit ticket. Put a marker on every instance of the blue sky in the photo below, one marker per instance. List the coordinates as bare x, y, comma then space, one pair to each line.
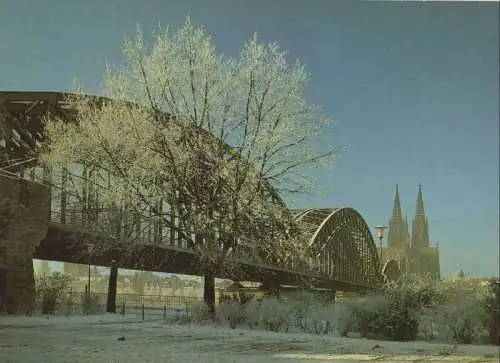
413, 88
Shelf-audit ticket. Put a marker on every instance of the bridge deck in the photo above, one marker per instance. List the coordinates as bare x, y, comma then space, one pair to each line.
147, 245
67, 244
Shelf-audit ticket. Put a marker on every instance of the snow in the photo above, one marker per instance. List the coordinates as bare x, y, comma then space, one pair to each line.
95, 339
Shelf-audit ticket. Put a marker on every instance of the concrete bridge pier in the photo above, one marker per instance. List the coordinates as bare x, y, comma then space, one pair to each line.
24, 219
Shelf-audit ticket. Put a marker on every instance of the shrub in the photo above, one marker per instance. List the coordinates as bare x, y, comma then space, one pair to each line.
492, 305
274, 315
231, 308
251, 313
343, 318
394, 313
230, 312
462, 317
91, 303
301, 305
312, 313
464, 320
49, 289
459, 311
373, 317
321, 319
270, 312
198, 312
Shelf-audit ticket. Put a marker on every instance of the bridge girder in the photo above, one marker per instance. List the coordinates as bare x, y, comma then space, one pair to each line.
341, 245
22, 116
21, 125
340, 239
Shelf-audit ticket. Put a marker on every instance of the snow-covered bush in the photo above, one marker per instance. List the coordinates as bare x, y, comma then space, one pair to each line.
198, 313
274, 315
461, 316
492, 304
394, 313
343, 321
451, 310
461, 321
301, 305
321, 319
231, 309
374, 317
49, 290
230, 312
92, 303
311, 313
251, 313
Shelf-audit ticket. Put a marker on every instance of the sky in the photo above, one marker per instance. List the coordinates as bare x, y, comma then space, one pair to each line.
413, 88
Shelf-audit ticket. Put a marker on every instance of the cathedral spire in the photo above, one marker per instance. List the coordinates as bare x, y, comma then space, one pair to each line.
398, 229
420, 203
396, 208
420, 228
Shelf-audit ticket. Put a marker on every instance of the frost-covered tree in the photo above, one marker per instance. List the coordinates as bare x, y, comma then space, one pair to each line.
202, 141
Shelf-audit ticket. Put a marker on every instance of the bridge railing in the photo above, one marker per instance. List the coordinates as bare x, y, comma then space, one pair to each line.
81, 202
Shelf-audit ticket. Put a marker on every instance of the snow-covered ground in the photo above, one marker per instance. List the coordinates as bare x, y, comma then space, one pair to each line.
113, 338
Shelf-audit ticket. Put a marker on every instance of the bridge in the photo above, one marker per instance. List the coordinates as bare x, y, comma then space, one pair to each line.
40, 217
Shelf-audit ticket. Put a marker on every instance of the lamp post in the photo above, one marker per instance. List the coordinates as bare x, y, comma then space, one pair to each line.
379, 230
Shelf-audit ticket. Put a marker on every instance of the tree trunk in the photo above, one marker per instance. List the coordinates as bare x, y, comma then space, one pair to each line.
209, 292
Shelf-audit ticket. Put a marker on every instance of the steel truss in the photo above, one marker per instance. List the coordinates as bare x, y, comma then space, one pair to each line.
22, 116
340, 242
341, 245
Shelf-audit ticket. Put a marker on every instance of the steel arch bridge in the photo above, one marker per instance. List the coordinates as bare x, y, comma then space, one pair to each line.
341, 245
342, 250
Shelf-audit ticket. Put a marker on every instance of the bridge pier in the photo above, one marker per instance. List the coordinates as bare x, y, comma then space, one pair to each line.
24, 219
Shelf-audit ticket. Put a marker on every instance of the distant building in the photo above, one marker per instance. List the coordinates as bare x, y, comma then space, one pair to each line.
412, 252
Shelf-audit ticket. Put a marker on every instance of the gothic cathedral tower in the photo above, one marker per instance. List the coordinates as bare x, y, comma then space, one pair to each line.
398, 227
424, 258
398, 238
413, 255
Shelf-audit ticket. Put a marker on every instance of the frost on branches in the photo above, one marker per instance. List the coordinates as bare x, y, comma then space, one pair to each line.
204, 139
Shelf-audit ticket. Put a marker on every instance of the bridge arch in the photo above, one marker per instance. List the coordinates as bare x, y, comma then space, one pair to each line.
340, 239
341, 245
21, 135
391, 271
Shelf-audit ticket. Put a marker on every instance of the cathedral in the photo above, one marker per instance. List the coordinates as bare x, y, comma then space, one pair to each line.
412, 252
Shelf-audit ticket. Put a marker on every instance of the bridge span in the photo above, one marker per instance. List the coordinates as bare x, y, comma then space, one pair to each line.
40, 217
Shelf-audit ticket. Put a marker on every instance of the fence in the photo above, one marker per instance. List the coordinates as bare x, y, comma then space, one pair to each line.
148, 306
